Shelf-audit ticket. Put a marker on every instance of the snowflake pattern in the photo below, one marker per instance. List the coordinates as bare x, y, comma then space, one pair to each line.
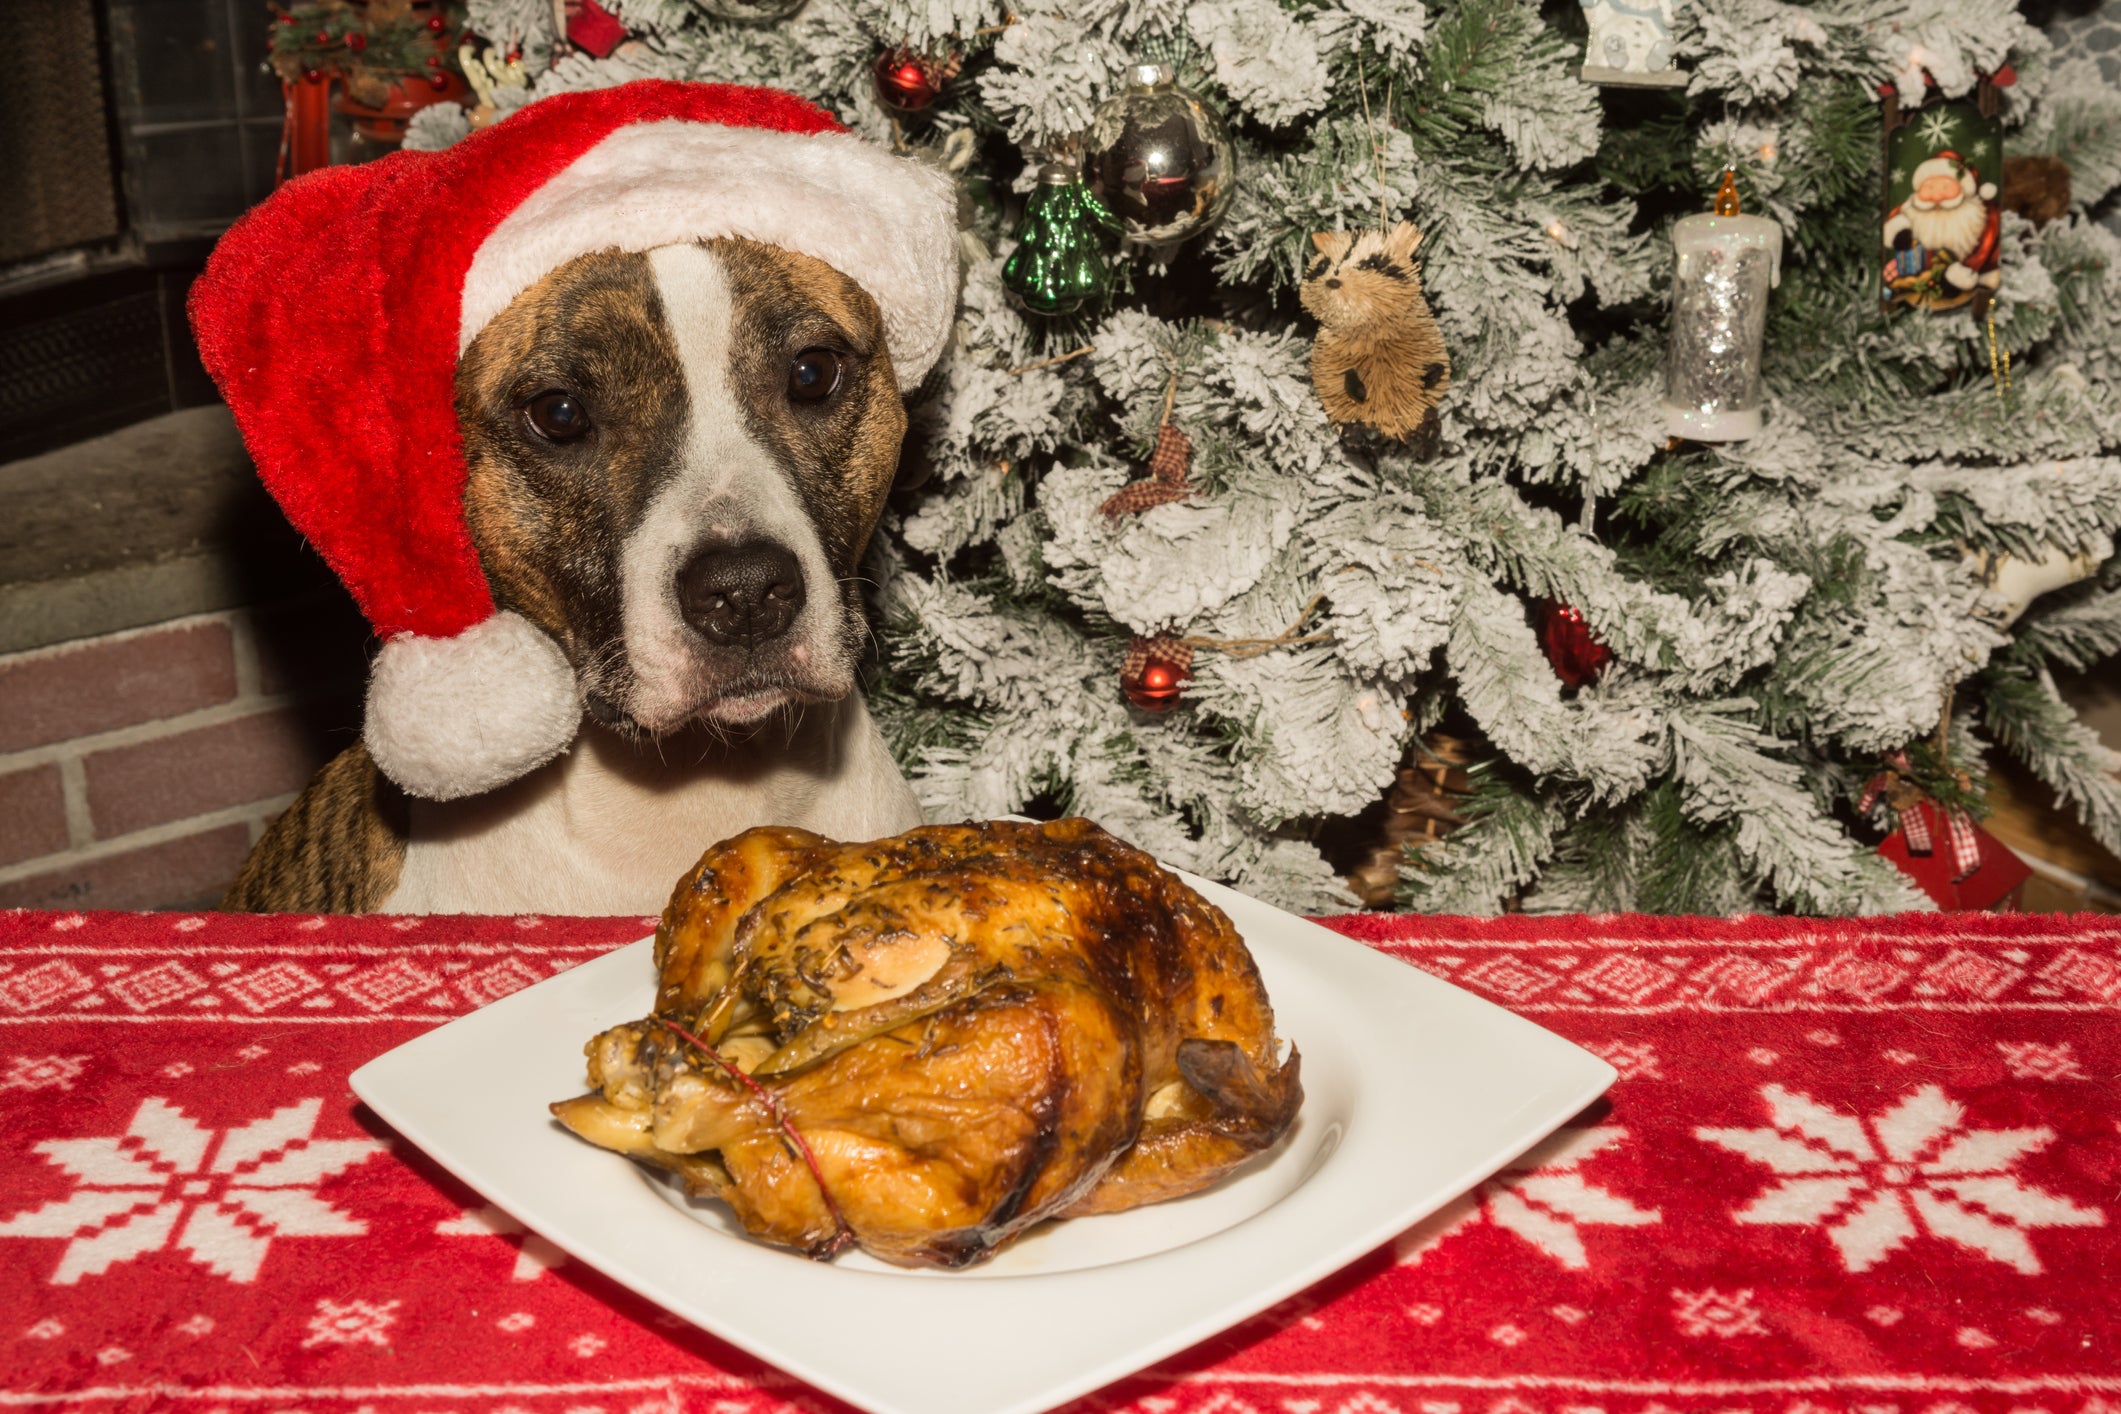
1936, 129
1543, 1198
1875, 1183
1717, 1313
2037, 1060
42, 1072
155, 1187
533, 1254
351, 1323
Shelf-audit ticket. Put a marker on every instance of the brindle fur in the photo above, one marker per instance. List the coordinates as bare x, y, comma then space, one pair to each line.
337, 849
549, 520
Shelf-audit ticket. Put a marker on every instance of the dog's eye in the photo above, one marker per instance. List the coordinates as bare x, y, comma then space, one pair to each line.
557, 416
814, 375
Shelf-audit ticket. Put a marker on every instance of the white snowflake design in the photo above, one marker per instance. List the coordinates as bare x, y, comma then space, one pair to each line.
2037, 1060
40, 1072
1875, 1183
1543, 1198
533, 1255
351, 1323
1717, 1313
154, 1187
1936, 128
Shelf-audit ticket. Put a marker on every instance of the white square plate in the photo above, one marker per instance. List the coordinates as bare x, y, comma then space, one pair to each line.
1414, 1091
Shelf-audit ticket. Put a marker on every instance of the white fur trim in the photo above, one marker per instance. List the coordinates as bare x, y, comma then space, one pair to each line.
886, 222
450, 717
1959, 276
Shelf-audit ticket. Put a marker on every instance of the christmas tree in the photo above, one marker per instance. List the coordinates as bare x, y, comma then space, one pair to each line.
1757, 624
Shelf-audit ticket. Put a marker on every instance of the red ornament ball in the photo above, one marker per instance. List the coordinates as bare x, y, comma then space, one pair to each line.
438, 81
436, 24
434, 61
1159, 687
287, 20
312, 76
907, 81
356, 41
323, 36
1574, 651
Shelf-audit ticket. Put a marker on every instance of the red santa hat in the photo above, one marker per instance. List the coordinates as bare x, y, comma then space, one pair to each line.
332, 317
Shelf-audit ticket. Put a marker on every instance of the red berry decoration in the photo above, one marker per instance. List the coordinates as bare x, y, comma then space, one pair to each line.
356, 41
287, 20
438, 81
1575, 652
908, 81
436, 24
323, 36
312, 76
434, 61
1155, 672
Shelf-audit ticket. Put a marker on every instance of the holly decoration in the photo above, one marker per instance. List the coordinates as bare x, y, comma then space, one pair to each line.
1155, 672
1574, 651
908, 82
1059, 262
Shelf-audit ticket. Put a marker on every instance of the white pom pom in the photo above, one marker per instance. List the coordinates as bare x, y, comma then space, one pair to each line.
450, 717
1988, 191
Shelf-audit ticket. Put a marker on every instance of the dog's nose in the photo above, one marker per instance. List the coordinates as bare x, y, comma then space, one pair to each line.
742, 595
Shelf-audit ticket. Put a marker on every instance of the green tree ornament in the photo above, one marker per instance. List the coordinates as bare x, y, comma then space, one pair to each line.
1059, 262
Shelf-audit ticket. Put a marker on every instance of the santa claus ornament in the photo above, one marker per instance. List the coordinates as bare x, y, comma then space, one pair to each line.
1942, 219
347, 402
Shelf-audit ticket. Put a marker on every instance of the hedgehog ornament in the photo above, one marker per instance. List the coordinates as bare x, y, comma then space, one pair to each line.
1379, 360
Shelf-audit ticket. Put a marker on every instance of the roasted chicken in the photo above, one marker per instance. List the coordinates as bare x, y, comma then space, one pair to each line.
926, 1044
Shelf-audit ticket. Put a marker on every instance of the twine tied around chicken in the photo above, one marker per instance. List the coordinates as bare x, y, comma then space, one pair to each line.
1907, 801
842, 1231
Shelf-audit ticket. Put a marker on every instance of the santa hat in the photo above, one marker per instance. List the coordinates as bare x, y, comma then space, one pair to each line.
332, 317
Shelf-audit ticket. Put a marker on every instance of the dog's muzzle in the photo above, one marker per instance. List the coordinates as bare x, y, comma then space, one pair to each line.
741, 596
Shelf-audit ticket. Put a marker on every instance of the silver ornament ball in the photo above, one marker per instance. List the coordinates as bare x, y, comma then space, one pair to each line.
1160, 160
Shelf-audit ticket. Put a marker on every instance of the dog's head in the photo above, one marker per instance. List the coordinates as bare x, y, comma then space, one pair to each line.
675, 460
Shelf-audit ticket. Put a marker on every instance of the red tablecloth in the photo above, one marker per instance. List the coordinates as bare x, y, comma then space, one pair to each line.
1850, 1168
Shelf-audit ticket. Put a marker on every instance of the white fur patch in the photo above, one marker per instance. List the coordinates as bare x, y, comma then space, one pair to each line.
884, 221
451, 717
609, 827
729, 489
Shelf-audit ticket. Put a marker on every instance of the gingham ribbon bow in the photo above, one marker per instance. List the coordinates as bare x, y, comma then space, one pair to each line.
1915, 821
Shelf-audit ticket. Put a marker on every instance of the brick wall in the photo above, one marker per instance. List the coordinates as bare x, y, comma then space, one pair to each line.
137, 769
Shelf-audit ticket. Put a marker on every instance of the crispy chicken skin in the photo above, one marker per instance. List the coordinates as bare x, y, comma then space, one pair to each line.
969, 1028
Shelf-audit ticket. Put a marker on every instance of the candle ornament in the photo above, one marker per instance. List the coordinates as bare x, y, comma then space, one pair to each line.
1727, 263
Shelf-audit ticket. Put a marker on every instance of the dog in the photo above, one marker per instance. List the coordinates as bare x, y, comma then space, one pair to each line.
675, 459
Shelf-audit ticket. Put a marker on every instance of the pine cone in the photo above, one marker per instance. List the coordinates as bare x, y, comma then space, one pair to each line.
1421, 807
